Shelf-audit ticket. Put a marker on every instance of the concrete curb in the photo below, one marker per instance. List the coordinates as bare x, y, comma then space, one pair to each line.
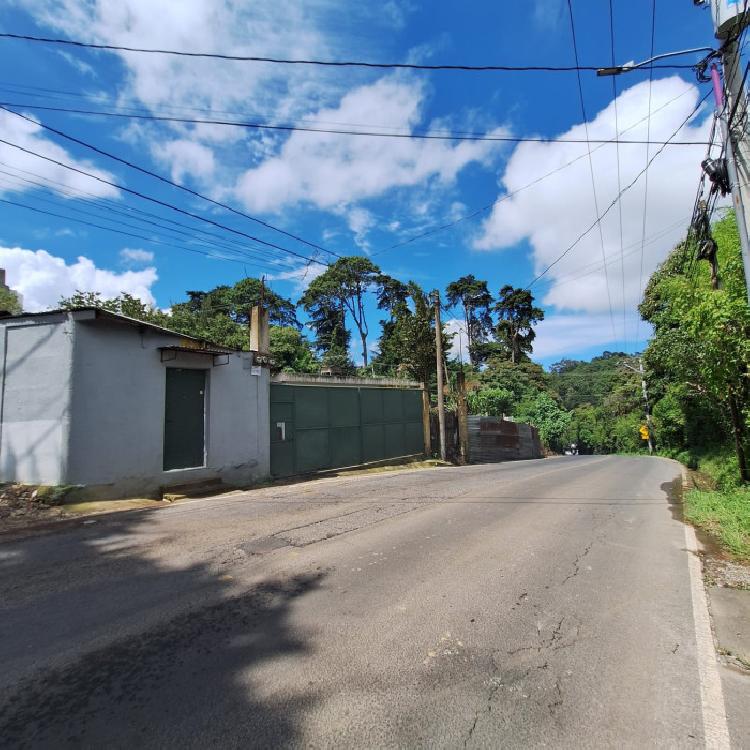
715, 724
728, 609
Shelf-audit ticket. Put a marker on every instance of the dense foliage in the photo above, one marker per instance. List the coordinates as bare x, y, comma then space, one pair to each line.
700, 352
9, 303
696, 363
474, 298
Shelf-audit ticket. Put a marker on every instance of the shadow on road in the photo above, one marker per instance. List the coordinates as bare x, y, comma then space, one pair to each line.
192, 680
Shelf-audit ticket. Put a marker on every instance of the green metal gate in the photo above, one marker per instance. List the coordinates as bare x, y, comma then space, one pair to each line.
331, 427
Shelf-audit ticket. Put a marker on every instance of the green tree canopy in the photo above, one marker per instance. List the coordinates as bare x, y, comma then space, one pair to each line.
124, 304
291, 351
474, 298
9, 302
701, 336
516, 315
552, 421
336, 293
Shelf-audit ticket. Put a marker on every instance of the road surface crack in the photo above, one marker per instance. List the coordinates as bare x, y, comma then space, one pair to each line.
577, 564
495, 685
558, 701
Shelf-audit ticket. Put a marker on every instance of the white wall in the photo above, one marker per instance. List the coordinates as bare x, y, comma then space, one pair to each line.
118, 398
83, 403
34, 399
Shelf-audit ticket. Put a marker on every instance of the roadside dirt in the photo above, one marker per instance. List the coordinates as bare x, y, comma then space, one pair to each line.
21, 506
27, 509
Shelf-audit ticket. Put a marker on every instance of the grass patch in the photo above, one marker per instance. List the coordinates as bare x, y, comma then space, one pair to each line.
725, 515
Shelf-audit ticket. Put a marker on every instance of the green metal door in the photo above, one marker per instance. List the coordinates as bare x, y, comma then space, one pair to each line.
329, 427
184, 419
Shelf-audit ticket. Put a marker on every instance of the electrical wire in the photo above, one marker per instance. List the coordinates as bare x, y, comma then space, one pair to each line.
126, 210
592, 268
117, 231
591, 166
619, 173
698, 197
645, 186
330, 63
426, 136
248, 253
171, 183
151, 199
40, 92
617, 198
483, 209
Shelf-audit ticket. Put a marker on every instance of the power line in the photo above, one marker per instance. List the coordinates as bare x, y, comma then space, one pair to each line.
482, 209
126, 210
169, 182
645, 187
326, 63
619, 173
428, 136
247, 253
143, 196
244, 254
592, 268
62, 94
591, 166
617, 198
117, 231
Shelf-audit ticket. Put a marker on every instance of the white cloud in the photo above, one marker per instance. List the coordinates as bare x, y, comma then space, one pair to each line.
396, 12
548, 13
460, 344
280, 27
30, 136
42, 279
329, 170
77, 63
565, 335
554, 212
361, 221
185, 158
301, 275
135, 255
276, 28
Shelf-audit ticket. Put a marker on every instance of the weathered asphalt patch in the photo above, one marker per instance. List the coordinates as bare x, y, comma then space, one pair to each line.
264, 544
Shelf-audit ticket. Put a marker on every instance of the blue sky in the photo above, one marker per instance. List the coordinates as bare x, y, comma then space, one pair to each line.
351, 194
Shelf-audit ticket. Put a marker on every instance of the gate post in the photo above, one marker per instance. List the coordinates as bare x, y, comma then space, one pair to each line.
426, 420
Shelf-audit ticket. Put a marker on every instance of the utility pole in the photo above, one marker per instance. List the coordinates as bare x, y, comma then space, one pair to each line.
440, 386
644, 389
649, 420
730, 18
462, 416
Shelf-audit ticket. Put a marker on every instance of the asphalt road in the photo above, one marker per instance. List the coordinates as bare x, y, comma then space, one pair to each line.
525, 604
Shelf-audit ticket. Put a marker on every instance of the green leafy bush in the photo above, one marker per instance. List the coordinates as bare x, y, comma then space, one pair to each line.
723, 469
490, 402
725, 515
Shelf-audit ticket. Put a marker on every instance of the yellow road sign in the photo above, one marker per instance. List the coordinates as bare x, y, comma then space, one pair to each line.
644, 432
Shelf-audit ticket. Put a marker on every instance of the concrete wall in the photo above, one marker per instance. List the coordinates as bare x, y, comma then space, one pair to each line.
35, 399
117, 429
101, 397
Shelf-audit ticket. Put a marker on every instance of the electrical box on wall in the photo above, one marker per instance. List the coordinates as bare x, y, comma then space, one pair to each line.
729, 17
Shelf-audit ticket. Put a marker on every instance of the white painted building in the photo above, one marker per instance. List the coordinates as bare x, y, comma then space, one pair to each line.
125, 408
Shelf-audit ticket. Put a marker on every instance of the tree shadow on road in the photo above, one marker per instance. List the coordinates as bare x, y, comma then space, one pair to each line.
198, 678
